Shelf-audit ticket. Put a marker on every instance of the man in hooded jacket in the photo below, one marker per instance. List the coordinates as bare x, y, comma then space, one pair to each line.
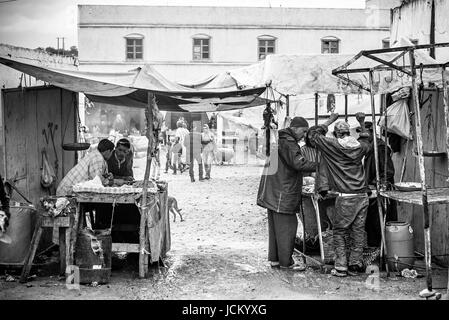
342, 171
280, 193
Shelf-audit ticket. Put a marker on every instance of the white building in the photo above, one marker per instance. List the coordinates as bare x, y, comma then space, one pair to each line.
191, 43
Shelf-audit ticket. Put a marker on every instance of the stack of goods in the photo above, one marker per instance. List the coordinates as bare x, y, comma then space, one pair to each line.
60, 206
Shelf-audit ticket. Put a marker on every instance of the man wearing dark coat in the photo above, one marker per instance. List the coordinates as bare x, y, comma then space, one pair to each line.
280, 193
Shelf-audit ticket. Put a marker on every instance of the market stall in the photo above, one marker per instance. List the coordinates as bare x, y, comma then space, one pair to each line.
144, 88
388, 70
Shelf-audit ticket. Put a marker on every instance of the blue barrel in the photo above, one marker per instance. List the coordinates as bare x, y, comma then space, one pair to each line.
20, 230
400, 247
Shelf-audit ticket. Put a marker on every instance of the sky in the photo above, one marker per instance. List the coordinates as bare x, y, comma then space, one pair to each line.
38, 23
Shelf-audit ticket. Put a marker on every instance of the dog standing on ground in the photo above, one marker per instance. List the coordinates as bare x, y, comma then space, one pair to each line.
173, 208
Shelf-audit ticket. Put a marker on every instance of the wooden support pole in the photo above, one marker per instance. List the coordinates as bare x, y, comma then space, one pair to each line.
446, 110
446, 117
422, 173
315, 196
32, 251
376, 160
144, 208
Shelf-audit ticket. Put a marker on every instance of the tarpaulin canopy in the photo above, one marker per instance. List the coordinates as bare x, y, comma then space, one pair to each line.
392, 68
131, 88
295, 74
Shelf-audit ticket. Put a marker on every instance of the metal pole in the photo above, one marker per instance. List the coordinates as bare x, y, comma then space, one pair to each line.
376, 160
316, 108
346, 107
422, 173
287, 103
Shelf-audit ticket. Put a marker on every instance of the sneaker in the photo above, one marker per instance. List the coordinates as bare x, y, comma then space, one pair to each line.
339, 273
295, 267
274, 264
355, 270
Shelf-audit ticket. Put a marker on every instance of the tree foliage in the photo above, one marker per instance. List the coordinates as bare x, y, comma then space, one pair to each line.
72, 52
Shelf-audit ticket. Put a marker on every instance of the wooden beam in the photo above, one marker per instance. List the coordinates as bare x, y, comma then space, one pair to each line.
446, 109
376, 160
144, 207
422, 173
125, 247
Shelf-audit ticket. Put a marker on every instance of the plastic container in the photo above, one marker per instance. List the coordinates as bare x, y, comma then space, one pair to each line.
94, 267
399, 241
20, 230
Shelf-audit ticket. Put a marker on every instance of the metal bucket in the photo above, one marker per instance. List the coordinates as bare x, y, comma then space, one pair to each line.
400, 248
21, 231
94, 267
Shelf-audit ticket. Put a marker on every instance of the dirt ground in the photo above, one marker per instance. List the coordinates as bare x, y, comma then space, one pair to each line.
220, 252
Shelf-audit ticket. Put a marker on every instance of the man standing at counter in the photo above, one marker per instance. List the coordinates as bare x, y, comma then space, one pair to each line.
280, 193
341, 171
120, 163
93, 164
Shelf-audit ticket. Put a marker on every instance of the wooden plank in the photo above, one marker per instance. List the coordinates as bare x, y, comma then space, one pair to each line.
107, 198
15, 143
435, 196
67, 257
68, 119
125, 247
30, 256
56, 222
62, 251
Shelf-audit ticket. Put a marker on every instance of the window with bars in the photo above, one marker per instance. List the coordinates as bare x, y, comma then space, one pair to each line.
330, 45
267, 45
201, 48
134, 48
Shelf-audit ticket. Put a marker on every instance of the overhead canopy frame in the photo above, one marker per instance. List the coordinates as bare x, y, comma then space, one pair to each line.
387, 63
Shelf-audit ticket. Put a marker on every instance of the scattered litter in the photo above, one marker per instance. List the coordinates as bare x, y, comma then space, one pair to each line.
407, 273
10, 279
29, 285
94, 284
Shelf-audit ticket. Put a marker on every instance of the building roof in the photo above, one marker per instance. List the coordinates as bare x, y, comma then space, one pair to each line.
231, 17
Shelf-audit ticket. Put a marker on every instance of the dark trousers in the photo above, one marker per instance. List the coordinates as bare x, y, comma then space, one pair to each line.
372, 227
200, 166
348, 219
281, 237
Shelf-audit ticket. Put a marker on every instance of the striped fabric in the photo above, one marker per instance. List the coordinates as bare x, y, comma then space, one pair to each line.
309, 153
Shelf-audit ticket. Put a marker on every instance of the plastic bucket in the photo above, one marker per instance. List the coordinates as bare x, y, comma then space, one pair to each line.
21, 231
400, 248
94, 267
